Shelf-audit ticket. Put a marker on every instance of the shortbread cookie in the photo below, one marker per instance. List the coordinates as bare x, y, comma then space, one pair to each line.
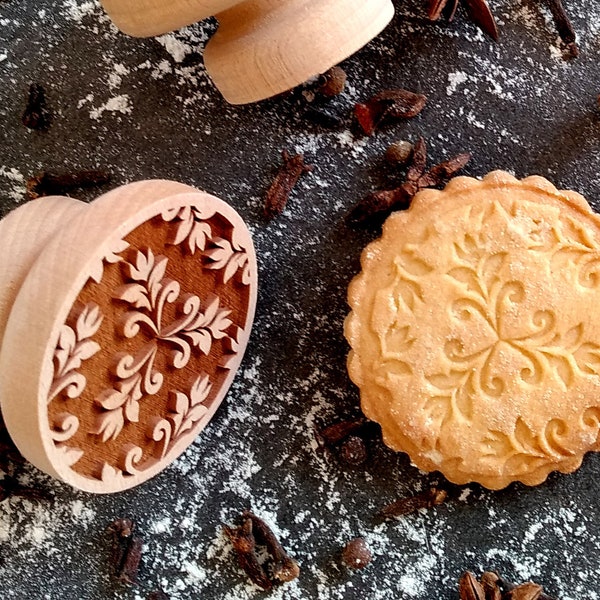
475, 331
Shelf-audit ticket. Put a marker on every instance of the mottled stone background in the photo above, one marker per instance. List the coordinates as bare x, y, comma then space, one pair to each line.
146, 109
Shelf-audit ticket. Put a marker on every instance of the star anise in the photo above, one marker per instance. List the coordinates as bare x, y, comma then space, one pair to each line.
479, 12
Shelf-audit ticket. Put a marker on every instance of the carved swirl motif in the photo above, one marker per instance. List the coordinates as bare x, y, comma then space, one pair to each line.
484, 325
142, 367
147, 295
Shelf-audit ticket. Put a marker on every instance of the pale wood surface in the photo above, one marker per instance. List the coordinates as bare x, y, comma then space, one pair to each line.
67, 259
263, 47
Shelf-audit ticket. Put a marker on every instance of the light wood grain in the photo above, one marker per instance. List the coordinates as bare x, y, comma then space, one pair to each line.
81, 269
263, 47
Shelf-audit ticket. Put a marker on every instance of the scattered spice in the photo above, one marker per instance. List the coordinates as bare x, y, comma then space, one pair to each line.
244, 545
389, 104
353, 451
478, 10
126, 550
36, 114
356, 554
399, 153
283, 568
469, 588
332, 82
338, 432
49, 184
253, 531
492, 587
380, 204
405, 506
288, 175
564, 27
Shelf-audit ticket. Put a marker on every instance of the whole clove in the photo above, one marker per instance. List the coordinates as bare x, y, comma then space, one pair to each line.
564, 28
381, 203
283, 567
353, 451
332, 82
399, 153
289, 173
244, 545
50, 184
489, 581
525, 591
36, 115
336, 433
493, 587
389, 104
405, 506
356, 554
131, 561
480, 13
126, 550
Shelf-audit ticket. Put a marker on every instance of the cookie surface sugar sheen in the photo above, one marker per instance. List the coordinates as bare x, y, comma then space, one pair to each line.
474, 330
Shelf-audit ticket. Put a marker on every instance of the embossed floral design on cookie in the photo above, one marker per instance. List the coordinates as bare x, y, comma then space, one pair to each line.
472, 329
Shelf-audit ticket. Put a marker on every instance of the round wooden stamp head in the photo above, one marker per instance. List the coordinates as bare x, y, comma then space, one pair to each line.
123, 323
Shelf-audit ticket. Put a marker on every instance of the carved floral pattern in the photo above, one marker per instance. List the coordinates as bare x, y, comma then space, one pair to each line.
160, 323
184, 412
147, 294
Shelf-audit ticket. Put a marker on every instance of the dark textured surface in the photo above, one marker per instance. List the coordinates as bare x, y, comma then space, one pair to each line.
514, 105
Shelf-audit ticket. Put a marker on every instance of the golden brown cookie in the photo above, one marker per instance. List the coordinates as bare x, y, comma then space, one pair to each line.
475, 331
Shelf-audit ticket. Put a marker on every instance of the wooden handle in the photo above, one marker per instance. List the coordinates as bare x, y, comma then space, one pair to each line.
263, 47
147, 18
131, 318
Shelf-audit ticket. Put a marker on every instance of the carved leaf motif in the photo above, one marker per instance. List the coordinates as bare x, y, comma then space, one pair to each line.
563, 368
134, 294
490, 269
587, 357
409, 292
231, 349
398, 340
74, 346
524, 450
112, 256
439, 409
414, 265
110, 424
193, 227
224, 256
389, 369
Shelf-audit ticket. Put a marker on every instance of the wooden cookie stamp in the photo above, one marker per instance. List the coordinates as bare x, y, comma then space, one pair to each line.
262, 47
122, 325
